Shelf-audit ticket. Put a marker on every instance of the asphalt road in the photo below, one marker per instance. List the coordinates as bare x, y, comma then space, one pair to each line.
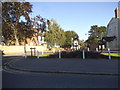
43, 80
14, 79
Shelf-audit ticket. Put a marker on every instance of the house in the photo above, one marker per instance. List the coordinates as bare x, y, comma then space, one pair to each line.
113, 31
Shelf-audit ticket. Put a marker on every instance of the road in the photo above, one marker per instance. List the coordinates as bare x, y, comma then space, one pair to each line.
19, 79
43, 80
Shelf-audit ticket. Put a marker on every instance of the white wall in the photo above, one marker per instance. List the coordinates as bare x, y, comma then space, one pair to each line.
19, 50
113, 30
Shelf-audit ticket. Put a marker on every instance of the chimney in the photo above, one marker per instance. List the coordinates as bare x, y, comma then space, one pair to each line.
117, 13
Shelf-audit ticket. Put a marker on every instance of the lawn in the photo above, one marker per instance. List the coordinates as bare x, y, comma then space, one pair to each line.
42, 56
46, 55
112, 54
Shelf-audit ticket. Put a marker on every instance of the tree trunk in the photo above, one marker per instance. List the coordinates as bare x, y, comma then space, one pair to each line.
16, 40
15, 35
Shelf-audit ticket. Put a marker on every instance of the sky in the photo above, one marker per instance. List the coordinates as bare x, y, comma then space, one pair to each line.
76, 16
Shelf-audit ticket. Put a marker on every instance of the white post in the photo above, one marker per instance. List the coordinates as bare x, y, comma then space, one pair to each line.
83, 54
59, 54
42, 51
100, 47
37, 54
53, 50
103, 46
25, 55
109, 53
97, 49
25, 52
88, 49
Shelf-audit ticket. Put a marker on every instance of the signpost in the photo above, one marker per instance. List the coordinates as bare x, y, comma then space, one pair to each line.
32, 51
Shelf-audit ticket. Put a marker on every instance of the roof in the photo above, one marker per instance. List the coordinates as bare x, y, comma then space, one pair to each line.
108, 39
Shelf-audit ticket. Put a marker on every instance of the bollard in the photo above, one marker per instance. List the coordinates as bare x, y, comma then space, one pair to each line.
37, 54
42, 51
100, 47
109, 53
53, 50
34, 51
59, 54
96, 49
83, 54
31, 52
25, 54
103, 46
88, 49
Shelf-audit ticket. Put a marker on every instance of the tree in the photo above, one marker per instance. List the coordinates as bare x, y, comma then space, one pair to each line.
69, 35
61, 37
82, 44
12, 11
95, 33
25, 31
55, 35
39, 23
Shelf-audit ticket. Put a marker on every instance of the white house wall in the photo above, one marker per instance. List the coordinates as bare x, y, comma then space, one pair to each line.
119, 33
113, 29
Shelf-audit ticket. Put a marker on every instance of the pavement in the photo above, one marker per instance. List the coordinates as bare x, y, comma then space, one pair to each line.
65, 66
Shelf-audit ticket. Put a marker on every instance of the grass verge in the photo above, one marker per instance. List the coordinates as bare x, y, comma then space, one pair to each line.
46, 55
112, 54
43, 55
